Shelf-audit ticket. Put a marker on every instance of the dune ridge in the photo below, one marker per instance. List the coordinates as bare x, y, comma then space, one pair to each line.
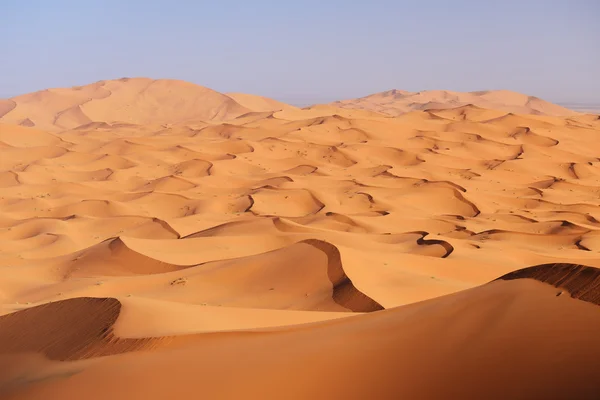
580, 281
71, 329
396, 102
322, 348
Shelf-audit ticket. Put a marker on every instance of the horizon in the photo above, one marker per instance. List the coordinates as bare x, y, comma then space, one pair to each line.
344, 51
577, 106
584, 105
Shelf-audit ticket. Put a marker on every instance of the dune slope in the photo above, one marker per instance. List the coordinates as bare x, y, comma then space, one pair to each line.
397, 102
132, 101
501, 327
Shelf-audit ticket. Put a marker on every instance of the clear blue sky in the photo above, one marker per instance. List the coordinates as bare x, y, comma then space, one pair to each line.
307, 51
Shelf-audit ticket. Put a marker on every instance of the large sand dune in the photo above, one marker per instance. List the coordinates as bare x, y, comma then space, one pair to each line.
397, 102
162, 240
133, 101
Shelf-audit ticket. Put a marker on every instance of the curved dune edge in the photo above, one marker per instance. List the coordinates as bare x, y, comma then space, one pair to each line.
467, 330
85, 327
72, 329
82, 328
344, 291
580, 281
305, 275
114, 257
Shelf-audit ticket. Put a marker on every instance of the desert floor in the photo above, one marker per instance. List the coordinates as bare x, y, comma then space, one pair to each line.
161, 240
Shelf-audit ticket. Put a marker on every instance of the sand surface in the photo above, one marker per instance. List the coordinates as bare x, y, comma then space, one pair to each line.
160, 239
396, 102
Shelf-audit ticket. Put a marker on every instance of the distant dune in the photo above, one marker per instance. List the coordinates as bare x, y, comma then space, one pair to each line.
143, 101
397, 102
136, 101
161, 240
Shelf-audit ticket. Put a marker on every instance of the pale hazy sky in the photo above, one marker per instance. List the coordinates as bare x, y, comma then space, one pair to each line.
307, 51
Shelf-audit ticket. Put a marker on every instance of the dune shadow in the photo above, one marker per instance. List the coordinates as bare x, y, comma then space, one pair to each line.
581, 281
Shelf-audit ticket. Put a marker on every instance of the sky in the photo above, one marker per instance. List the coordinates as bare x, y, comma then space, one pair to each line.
307, 51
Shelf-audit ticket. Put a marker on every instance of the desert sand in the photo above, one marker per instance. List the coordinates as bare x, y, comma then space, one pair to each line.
159, 239
395, 102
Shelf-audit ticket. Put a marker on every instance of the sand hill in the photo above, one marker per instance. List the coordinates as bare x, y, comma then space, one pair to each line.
134, 101
230, 246
397, 102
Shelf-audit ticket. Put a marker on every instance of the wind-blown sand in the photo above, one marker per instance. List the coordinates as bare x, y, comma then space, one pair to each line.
159, 239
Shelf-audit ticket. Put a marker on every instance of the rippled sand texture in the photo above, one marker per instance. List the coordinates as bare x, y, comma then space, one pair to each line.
171, 228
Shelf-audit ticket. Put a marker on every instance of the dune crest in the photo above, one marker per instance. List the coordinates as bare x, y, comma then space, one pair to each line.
580, 281
71, 329
397, 102
388, 340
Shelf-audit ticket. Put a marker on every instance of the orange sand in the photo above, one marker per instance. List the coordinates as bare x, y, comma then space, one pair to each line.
159, 239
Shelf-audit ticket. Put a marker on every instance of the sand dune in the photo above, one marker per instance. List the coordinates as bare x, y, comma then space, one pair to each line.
404, 245
397, 341
133, 101
397, 102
